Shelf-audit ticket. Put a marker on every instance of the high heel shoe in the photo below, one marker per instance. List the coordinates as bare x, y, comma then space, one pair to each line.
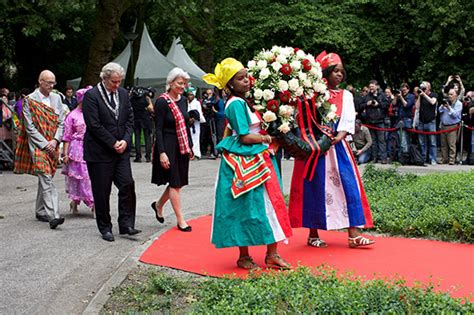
185, 229
160, 219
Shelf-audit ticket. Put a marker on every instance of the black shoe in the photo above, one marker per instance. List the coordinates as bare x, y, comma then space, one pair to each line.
55, 222
108, 236
148, 160
137, 160
129, 231
185, 229
160, 219
42, 218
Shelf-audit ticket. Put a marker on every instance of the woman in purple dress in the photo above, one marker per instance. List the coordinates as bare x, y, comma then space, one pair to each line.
78, 184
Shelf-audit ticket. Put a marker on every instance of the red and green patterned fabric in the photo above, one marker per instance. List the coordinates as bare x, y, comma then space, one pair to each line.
45, 121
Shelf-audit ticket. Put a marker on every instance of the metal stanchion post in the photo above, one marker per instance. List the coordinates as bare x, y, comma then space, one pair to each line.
462, 142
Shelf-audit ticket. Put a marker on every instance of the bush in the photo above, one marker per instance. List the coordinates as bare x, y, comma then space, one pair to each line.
438, 206
300, 291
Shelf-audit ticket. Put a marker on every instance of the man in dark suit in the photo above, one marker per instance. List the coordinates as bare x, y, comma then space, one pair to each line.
109, 120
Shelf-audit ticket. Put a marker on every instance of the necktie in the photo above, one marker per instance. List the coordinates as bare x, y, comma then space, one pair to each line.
112, 100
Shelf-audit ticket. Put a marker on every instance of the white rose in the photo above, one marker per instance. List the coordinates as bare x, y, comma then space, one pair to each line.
275, 49
295, 65
251, 64
284, 127
269, 116
281, 59
311, 59
331, 115
268, 95
326, 95
293, 84
316, 71
333, 108
286, 51
268, 55
258, 94
285, 110
319, 87
299, 91
264, 73
300, 54
307, 83
276, 66
259, 108
262, 64
303, 76
282, 85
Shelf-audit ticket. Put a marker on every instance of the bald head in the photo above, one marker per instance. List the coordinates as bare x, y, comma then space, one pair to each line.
47, 81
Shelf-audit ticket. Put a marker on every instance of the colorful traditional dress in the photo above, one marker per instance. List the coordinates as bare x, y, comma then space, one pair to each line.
334, 198
78, 184
249, 204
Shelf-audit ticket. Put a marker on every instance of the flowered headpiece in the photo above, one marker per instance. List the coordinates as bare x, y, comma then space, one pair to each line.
327, 60
223, 72
80, 93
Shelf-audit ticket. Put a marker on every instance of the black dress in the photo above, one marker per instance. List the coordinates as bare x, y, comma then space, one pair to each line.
167, 141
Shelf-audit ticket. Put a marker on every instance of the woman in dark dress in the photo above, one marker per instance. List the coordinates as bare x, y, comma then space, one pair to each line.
172, 148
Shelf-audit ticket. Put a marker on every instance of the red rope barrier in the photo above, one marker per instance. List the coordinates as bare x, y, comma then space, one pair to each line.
417, 131
470, 128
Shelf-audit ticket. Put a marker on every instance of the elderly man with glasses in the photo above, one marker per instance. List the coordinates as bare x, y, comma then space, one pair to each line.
37, 151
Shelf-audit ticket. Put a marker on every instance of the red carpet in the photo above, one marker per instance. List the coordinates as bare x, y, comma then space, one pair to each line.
450, 265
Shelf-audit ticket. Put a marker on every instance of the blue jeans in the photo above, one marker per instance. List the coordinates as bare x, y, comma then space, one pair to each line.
379, 147
403, 134
364, 157
430, 126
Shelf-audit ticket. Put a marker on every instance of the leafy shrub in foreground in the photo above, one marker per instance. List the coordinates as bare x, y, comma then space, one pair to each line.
300, 291
439, 206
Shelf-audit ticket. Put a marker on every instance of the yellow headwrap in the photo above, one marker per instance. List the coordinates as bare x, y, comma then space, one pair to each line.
223, 72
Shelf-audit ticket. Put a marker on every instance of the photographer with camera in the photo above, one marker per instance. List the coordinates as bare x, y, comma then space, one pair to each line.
208, 128
426, 106
141, 100
470, 122
454, 82
375, 105
405, 101
450, 115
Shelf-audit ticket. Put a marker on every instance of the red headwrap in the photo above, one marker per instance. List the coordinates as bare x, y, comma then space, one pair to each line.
327, 60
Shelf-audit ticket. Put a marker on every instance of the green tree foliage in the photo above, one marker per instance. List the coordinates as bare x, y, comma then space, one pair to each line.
391, 41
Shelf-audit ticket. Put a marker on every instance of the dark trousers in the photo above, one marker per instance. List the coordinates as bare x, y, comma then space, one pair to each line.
138, 150
102, 175
379, 147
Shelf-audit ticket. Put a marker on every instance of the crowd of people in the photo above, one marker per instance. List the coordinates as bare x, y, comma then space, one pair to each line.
409, 125
91, 131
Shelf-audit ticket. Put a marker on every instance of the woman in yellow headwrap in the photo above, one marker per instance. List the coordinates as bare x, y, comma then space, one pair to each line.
249, 205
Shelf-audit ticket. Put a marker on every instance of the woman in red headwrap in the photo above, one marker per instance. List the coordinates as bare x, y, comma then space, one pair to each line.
333, 197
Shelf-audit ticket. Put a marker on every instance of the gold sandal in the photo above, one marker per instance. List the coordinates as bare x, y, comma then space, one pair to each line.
316, 242
360, 241
247, 263
275, 261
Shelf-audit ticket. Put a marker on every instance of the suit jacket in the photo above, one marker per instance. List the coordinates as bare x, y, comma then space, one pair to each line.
35, 138
103, 130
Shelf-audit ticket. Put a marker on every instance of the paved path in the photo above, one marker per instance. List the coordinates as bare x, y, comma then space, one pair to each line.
59, 272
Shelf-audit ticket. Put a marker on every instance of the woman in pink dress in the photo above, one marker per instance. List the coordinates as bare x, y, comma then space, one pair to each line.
78, 185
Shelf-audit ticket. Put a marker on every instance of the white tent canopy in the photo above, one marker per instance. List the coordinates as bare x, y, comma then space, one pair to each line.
178, 55
152, 66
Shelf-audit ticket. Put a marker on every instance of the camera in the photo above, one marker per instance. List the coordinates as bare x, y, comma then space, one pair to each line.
445, 101
422, 87
139, 92
396, 92
466, 99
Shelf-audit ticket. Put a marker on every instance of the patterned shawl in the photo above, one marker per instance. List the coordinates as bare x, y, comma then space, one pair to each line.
45, 121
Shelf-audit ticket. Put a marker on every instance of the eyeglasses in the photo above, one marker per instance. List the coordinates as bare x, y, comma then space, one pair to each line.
53, 83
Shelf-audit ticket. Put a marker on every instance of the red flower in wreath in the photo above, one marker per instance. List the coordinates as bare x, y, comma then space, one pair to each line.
306, 64
295, 50
272, 105
284, 97
286, 69
294, 102
252, 81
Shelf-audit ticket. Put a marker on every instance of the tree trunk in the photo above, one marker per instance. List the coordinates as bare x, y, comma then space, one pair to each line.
106, 30
140, 25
